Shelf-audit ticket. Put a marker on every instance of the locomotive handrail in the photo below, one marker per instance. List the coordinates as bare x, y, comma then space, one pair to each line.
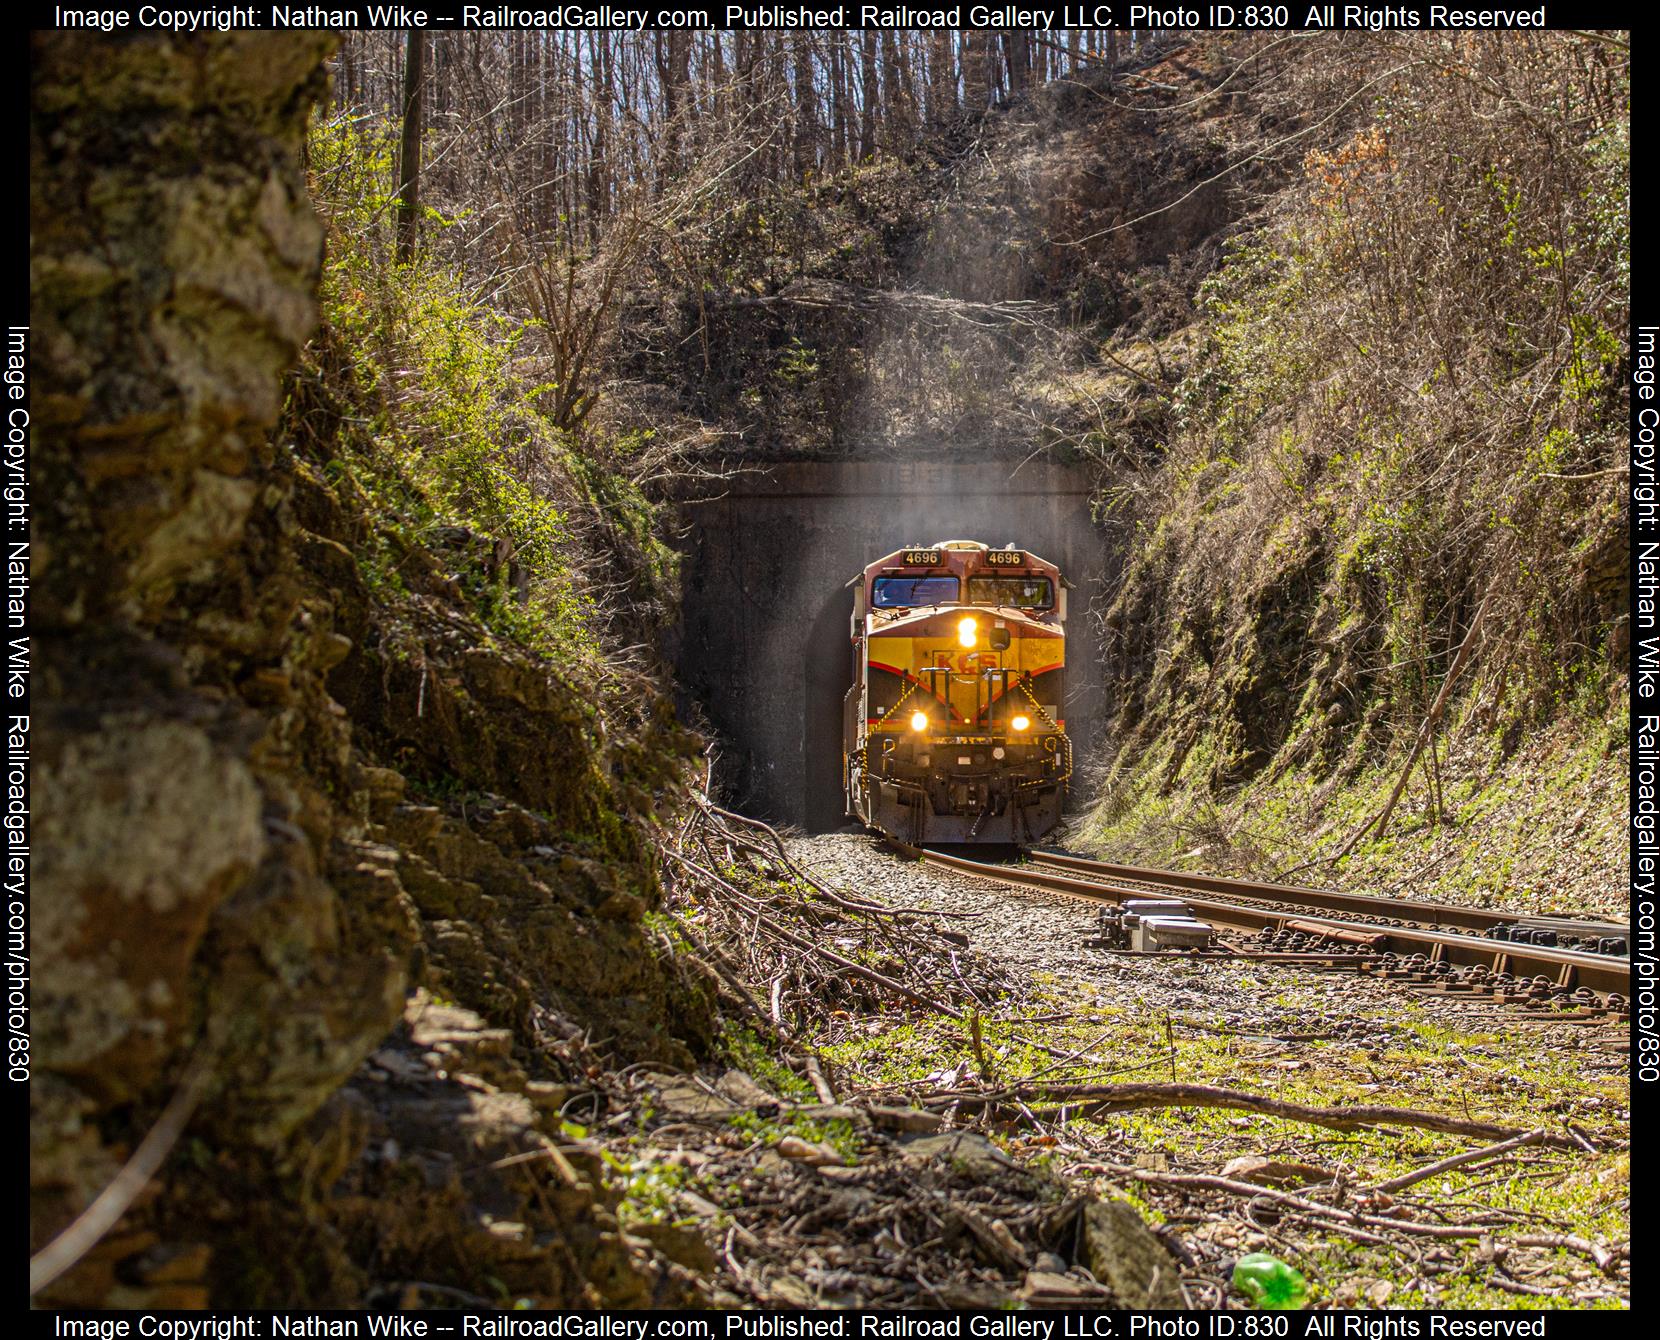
963, 772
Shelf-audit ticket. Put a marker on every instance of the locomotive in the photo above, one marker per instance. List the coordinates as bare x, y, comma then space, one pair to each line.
952, 729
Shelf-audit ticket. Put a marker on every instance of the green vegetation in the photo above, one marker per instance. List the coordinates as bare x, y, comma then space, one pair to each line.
1420, 1066
835, 1133
1403, 432
1530, 828
750, 1052
648, 1190
442, 428
1491, 1073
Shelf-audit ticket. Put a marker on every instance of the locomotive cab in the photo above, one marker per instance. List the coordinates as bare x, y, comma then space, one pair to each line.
952, 727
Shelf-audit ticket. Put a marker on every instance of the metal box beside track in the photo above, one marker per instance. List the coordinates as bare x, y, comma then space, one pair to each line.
1154, 933
1147, 925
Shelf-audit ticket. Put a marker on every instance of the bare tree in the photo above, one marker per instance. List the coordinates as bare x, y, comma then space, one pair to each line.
409, 156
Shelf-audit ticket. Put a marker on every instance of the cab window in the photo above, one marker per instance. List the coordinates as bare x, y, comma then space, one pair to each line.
1028, 593
889, 593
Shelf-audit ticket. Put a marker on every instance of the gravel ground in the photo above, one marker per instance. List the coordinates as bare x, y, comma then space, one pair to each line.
1041, 937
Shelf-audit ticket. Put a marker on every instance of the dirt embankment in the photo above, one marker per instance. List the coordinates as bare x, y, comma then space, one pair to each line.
273, 802
948, 303
1373, 622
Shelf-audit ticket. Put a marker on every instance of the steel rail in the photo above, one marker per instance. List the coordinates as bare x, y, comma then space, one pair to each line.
1358, 904
1573, 968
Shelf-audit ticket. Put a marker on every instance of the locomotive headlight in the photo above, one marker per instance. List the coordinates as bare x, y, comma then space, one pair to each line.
919, 721
998, 753
1021, 723
966, 631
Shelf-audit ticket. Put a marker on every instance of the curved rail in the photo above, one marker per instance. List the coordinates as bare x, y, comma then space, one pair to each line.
1601, 973
1450, 915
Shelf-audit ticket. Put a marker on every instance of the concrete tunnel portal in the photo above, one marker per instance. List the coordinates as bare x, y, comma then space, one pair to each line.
764, 650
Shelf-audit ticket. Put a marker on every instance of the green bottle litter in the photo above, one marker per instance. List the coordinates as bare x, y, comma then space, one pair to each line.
1268, 1282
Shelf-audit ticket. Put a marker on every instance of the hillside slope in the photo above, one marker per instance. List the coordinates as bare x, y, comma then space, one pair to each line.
951, 299
1382, 549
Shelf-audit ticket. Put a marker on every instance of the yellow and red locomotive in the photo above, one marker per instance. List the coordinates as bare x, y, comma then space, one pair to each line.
952, 730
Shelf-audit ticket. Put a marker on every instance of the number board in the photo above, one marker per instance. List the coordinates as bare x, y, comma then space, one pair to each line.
1005, 558
922, 558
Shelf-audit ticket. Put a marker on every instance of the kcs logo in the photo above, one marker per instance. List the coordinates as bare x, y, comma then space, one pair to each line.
968, 662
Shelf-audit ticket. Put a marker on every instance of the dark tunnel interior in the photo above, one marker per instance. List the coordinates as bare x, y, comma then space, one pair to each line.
763, 650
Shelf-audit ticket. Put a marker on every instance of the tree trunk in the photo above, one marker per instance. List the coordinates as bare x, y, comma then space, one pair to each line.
720, 101
942, 80
441, 59
806, 106
974, 69
888, 114
409, 155
1017, 48
870, 92
348, 86
839, 117
599, 164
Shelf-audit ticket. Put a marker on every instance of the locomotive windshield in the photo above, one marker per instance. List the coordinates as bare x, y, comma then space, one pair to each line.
889, 593
1017, 592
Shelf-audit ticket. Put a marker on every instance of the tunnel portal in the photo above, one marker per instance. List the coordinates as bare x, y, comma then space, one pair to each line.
764, 649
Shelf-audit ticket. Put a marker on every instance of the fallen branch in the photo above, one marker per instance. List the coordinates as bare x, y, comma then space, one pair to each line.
846, 964
820, 1083
802, 947
1098, 1099
1532, 1137
1606, 1258
720, 966
828, 295
1426, 732
812, 881
115, 1199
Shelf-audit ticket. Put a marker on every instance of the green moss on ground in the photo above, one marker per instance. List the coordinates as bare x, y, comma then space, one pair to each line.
1535, 829
1484, 1071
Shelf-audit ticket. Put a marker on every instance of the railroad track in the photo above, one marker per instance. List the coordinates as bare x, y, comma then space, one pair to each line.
1358, 906
1429, 943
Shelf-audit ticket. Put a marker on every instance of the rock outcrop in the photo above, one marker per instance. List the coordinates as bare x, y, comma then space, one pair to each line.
275, 840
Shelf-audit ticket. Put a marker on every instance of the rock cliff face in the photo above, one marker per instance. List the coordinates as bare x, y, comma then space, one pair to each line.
273, 840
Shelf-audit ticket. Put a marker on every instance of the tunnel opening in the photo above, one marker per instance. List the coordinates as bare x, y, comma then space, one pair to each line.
763, 655
827, 668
